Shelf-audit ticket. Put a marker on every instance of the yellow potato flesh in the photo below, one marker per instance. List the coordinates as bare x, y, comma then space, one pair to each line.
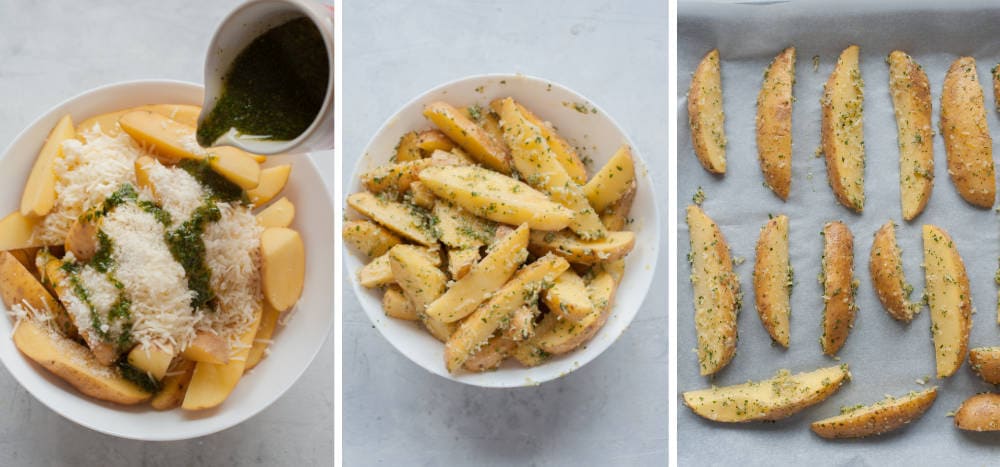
108, 123
468, 135
174, 387
16, 232
40, 190
613, 181
272, 181
152, 360
268, 322
948, 297
284, 266
279, 214
207, 348
397, 217
211, 384
237, 166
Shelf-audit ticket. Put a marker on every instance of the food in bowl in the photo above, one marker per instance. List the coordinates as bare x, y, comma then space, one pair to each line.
487, 230
136, 269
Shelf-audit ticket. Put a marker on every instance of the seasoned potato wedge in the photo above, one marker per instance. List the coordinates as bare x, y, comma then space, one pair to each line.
884, 416
716, 292
369, 238
772, 399
615, 217
490, 355
378, 273
561, 149
470, 136
772, 279
433, 140
394, 177
272, 181
886, 267
283, 266
496, 197
985, 361
461, 261
396, 305
839, 286
614, 245
843, 130
705, 114
422, 196
280, 213
406, 149
967, 140
422, 282
39, 195
946, 286
774, 123
211, 384
17, 232
568, 297
460, 229
558, 336
911, 99
979, 413
174, 387
995, 73
397, 217
613, 181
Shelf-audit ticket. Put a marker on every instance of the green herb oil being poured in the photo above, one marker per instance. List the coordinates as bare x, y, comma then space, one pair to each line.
275, 87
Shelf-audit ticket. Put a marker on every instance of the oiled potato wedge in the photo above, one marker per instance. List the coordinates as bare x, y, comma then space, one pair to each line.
378, 273
774, 123
967, 140
615, 217
558, 336
772, 279
979, 413
614, 245
772, 399
40, 189
523, 288
490, 355
911, 99
561, 149
283, 266
884, 416
843, 131
461, 261
496, 197
460, 229
151, 359
705, 115
281, 213
839, 286
396, 305
397, 217
211, 384
471, 137
407, 149
272, 181
716, 292
433, 140
947, 290
17, 232
396, 177
568, 298
207, 347
174, 387
422, 196
528, 354
995, 73
75, 364
369, 238
886, 267
985, 361
268, 322
522, 324
613, 181
420, 279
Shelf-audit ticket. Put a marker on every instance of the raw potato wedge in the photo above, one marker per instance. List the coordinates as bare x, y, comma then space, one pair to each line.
774, 123
407, 149
268, 322
613, 181
886, 267
75, 364
369, 238
81, 240
985, 361
772, 279
772, 399
946, 286
17, 232
558, 336
843, 136
613, 246
235, 165
283, 266
470, 136
568, 298
705, 115
911, 99
40, 189
281, 213
207, 347
967, 140
839, 286
496, 197
881, 417
979, 413
272, 181
153, 360
210, 384
716, 292
397, 217
108, 123
562, 150
174, 387
536, 163
19, 287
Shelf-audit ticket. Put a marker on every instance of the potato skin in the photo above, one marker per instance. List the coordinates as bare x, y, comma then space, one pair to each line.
876, 419
985, 362
774, 123
949, 299
979, 413
911, 99
886, 267
843, 131
838, 286
716, 292
967, 140
705, 114
772, 279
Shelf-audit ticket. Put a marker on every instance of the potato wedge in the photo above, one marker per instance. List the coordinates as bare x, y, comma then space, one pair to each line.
946, 286
39, 195
522, 324
615, 217
235, 165
528, 354
839, 286
400, 218
613, 181
967, 140
568, 298
152, 359
281, 213
108, 123
82, 240
911, 99
396, 305
774, 123
272, 181
886, 267
537, 164
19, 287
460, 229
613, 246
564, 152
211, 384
461, 261
558, 336
369, 238
985, 362
174, 387
772, 279
705, 114
995, 73
979, 413
523, 288
395, 177
881, 417
490, 355
207, 347
406, 149
843, 136
17, 232
378, 272
433, 140
470, 136
261, 342
75, 364
422, 196
420, 279
716, 292
772, 399
283, 266
496, 197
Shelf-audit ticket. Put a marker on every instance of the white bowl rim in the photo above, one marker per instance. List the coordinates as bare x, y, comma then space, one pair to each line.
654, 254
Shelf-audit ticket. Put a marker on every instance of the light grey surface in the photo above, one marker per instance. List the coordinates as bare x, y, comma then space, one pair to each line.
50, 51
884, 356
612, 411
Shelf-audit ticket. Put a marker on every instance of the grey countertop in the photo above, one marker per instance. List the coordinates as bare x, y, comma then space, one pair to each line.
50, 51
613, 411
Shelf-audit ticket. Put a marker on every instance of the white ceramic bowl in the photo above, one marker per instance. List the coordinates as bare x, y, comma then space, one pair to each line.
295, 345
597, 136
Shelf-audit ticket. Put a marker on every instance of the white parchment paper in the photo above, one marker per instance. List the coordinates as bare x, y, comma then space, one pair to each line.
885, 356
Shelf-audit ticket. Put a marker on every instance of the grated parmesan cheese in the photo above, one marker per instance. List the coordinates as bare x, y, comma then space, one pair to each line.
232, 252
184, 195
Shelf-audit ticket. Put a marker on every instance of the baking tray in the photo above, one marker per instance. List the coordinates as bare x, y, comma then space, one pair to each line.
885, 356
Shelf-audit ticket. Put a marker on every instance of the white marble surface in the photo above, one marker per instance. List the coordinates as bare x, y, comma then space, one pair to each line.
50, 51
614, 410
